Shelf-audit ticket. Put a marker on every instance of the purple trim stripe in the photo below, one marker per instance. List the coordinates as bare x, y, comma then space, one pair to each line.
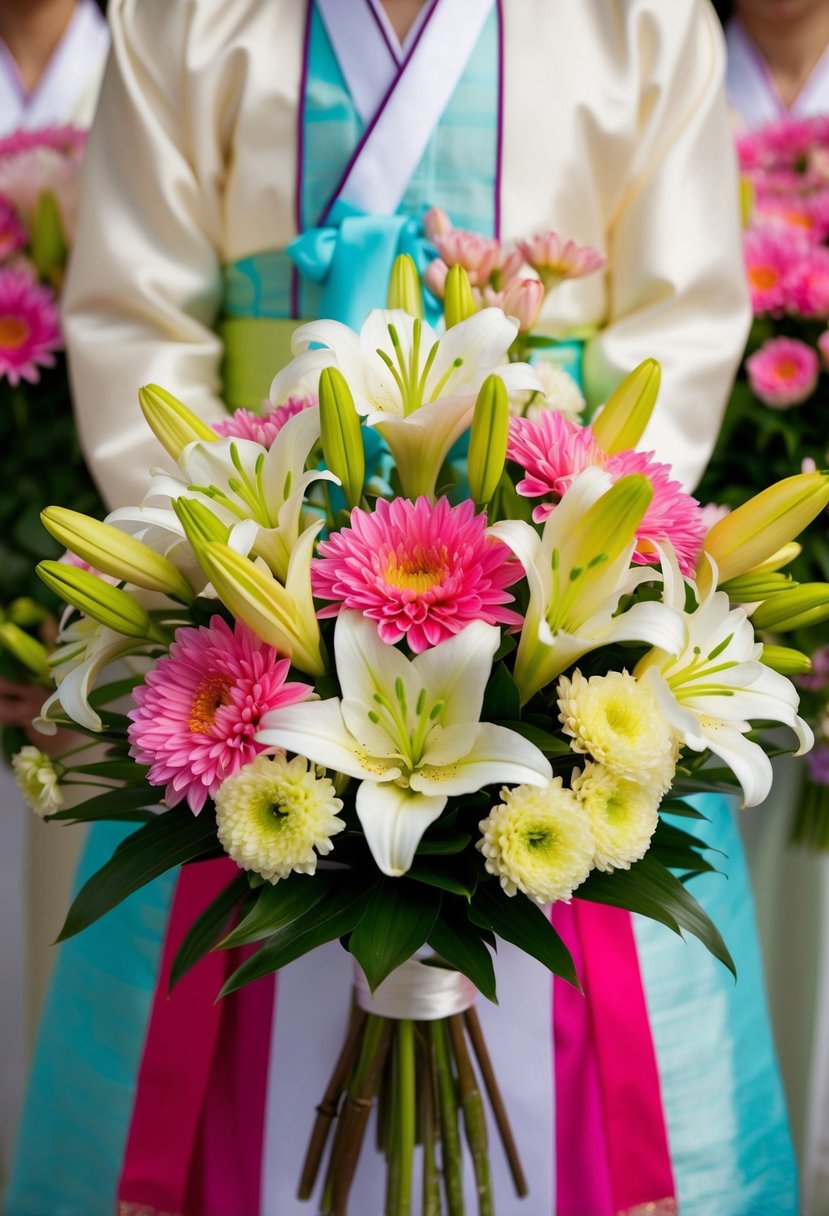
300, 153
394, 51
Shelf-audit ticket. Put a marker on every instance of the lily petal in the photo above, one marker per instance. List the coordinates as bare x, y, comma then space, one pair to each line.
394, 820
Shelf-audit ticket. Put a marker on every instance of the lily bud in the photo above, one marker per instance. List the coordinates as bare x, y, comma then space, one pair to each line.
805, 605
110, 606
747, 200
404, 286
26, 612
609, 526
48, 242
172, 423
757, 530
27, 650
622, 422
786, 661
783, 557
458, 301
753, 587
200, 525
115, 553
341, 434
488, 439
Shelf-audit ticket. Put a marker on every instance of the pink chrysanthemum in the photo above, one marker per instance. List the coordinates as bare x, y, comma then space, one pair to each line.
67, 139
13, 234
555, 259
783, 372
673, 515
804, 215
807, 283
551, 450
422, 570
769, 256
199, 709
29, 329
243, 424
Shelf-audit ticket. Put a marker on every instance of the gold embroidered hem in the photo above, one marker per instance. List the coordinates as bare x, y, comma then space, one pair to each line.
125, 1208
661, 1207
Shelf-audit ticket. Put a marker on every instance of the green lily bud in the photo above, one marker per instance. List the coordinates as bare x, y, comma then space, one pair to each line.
27, 650
404, 286
110, 606
806, 604
26, 612
752, 587
48, 242
786, 661
747, 200
172, 423
341, 434
458, 301
622, 422
488, 439
115, 553
200, 525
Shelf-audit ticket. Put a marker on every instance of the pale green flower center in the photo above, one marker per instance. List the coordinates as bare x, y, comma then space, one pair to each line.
394, 714
246, 498
408, 375
696, 677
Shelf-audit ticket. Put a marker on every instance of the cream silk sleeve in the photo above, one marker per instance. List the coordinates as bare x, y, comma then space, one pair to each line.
144, 284
677, 287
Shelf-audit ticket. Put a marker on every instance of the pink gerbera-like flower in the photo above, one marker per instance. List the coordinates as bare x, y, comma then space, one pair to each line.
478, 255
807, 283
199, 709
67, 139
244, 424
551, 450
783, 372
555, 259
769, 257
29, 329
12, 231
422, 570
673, 515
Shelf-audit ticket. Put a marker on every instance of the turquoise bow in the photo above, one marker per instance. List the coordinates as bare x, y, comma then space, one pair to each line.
352, 256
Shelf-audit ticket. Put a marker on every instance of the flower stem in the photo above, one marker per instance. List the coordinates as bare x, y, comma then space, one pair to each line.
428, 1133
474, 1119
447, 1105
353, 1118
406, 1116
473, 1029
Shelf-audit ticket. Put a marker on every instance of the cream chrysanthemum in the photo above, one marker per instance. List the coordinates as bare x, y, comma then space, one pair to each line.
560, 393
622, 813
538, 841
617, 720
37, 779
276, 815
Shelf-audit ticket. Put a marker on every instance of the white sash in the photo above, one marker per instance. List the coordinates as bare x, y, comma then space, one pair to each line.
396, 137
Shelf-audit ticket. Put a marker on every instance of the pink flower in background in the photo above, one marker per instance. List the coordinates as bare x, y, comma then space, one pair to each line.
551, 450
783, 372
768, 258
522, 299
673, 515
244, 424
555, 259
807, 283
423, 571
818, 762
435, 277
32, 170
712, 513
13, 235
478, 255
200, 707
789, 140
823, 347
436, 223
803, 215
29, 328
67, 139
818, 677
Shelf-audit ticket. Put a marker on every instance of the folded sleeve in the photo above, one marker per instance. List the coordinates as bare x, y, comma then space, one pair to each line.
677, 287
144, 284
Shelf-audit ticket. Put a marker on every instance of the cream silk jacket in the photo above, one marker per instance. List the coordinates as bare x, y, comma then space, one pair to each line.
615, 134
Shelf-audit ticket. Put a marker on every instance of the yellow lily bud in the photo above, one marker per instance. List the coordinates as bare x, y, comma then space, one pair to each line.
783, 557
786, 661
26, 649
200, 525
48, 242
622, 422
758, 529
26, 612
488, 439
115, 553
172, 423
404, 286
341, 434
807, 604
747, 199
110, 606
458, 301
752, 587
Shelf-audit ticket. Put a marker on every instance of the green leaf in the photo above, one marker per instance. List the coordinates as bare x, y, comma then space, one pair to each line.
116, 770
677, 807
168, 840
460, 944
448, 842
340, 913
397, 921
279, 905
206, 930
546, 742
520, 921
118, 805
653, 891
502, 698
113, 691
459, 879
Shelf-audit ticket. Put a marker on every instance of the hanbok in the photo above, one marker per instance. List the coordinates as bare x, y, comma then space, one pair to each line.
659, 1092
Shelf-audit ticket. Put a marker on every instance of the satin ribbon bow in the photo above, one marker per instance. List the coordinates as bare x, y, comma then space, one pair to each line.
352, 255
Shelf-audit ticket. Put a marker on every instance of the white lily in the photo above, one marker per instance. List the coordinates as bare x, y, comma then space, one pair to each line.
716, 684
409, 730
86, 649
417, 388
577, 572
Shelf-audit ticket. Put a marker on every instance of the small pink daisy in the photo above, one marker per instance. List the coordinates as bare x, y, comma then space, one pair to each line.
422, 570
13, 235
673, 515
29, 329
783, 372
807, 283
555, 259
199, 709
244, 424
769, 256
551, 450
478, 255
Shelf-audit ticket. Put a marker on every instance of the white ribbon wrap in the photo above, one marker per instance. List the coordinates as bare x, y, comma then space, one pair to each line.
417, 991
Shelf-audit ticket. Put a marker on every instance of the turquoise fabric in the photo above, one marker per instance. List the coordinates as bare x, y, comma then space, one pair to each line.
79, 1102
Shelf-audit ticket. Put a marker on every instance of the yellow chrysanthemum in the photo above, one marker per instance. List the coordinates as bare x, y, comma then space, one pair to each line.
276, 815
538, 841
617, 720
37, 780
622, 813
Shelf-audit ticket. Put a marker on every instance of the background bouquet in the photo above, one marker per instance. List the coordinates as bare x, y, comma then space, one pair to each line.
776, 417
416, 695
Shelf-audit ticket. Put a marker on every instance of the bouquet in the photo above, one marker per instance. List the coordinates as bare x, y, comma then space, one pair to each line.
421, 668
38, 186
773, 418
